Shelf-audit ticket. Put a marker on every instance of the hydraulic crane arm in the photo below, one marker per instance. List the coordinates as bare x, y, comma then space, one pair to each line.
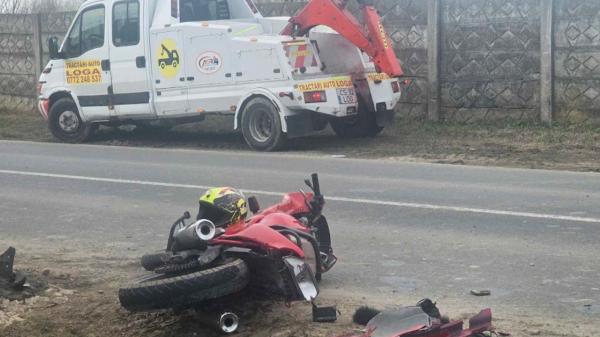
370, 38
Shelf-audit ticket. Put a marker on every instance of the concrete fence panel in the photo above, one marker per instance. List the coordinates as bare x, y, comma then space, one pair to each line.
468, 60
577, 60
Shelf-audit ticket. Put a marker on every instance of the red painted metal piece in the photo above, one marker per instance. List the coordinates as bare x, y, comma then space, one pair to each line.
292, 203
477, 324
44, 107
262, 235
372, 39
258, 231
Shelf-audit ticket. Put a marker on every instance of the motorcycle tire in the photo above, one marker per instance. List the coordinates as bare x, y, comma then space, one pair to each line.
155, 260
160, 291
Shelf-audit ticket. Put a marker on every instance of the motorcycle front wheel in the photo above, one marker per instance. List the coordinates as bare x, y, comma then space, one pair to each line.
162, 291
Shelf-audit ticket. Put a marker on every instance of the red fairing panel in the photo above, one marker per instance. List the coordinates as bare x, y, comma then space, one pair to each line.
283, 220
261, 234
292, 203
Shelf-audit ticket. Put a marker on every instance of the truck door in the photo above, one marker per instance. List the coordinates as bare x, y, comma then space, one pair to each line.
131, 90
87, 68
168, 72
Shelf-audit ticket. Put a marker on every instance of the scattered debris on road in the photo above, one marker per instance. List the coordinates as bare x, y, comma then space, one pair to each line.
8, 278
324, 314
481, 292
423, 319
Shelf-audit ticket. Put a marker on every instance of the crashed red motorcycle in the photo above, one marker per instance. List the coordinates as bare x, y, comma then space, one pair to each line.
283, 249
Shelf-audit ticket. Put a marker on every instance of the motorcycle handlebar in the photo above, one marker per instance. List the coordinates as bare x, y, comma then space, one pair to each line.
179, 221
315, 183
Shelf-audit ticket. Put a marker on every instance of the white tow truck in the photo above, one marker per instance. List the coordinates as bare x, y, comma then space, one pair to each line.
175, 61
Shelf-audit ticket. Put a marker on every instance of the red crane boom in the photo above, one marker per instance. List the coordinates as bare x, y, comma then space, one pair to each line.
370, 38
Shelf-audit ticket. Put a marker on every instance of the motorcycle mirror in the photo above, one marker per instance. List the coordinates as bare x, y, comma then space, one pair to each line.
308, 183
253, 204
187, 215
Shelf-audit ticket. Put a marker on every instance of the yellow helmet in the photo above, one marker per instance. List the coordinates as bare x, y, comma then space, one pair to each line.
223, 206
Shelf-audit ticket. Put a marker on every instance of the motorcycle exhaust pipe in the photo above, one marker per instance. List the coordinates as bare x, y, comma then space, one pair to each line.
195, 235
226, 322
229, 322
206, 230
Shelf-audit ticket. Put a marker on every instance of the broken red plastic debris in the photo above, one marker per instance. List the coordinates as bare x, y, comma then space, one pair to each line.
408, 321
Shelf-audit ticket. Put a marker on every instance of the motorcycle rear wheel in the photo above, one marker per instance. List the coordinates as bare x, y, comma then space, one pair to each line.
162, 291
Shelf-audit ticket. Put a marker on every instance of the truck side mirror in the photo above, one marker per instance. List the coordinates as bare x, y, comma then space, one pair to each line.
53, 48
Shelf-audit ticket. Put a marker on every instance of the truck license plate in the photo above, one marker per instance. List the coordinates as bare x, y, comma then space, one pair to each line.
346, 96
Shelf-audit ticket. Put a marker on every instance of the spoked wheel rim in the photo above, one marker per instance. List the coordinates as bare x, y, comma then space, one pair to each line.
261, 125
68, 121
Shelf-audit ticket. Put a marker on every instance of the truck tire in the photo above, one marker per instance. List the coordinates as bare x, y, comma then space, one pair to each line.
66, 124
160, 291
261, 125
364, 124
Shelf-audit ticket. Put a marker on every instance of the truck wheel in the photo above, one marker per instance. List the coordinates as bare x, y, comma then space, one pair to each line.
364, 124
261, 125
65, 122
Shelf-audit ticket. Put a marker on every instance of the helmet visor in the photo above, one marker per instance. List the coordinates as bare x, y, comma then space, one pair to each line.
218, 216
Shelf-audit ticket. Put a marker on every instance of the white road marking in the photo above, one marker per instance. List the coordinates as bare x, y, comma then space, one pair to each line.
328, 197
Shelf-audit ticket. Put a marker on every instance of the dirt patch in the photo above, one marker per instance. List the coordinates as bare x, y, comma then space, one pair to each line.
23, 125
81, 300
32, 287
565, 147
91, 308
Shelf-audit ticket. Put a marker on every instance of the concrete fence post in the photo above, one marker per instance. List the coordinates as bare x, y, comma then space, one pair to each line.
433, 59
546, 60
38, 47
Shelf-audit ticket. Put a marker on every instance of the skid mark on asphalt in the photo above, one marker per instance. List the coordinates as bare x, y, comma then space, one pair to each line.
330, 198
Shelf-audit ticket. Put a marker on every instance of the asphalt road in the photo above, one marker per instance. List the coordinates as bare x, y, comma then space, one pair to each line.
403, 230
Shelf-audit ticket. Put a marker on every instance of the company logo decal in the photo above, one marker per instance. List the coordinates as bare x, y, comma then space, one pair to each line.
209, 62
332, 83
83, 72
373, 77
168, 58
383, 36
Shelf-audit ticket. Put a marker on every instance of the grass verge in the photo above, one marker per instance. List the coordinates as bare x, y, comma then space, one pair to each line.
567, 147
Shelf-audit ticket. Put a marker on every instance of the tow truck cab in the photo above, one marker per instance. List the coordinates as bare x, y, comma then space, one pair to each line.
175, 61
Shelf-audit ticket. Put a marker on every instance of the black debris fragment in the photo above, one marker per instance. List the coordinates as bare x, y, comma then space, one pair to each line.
8, 278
